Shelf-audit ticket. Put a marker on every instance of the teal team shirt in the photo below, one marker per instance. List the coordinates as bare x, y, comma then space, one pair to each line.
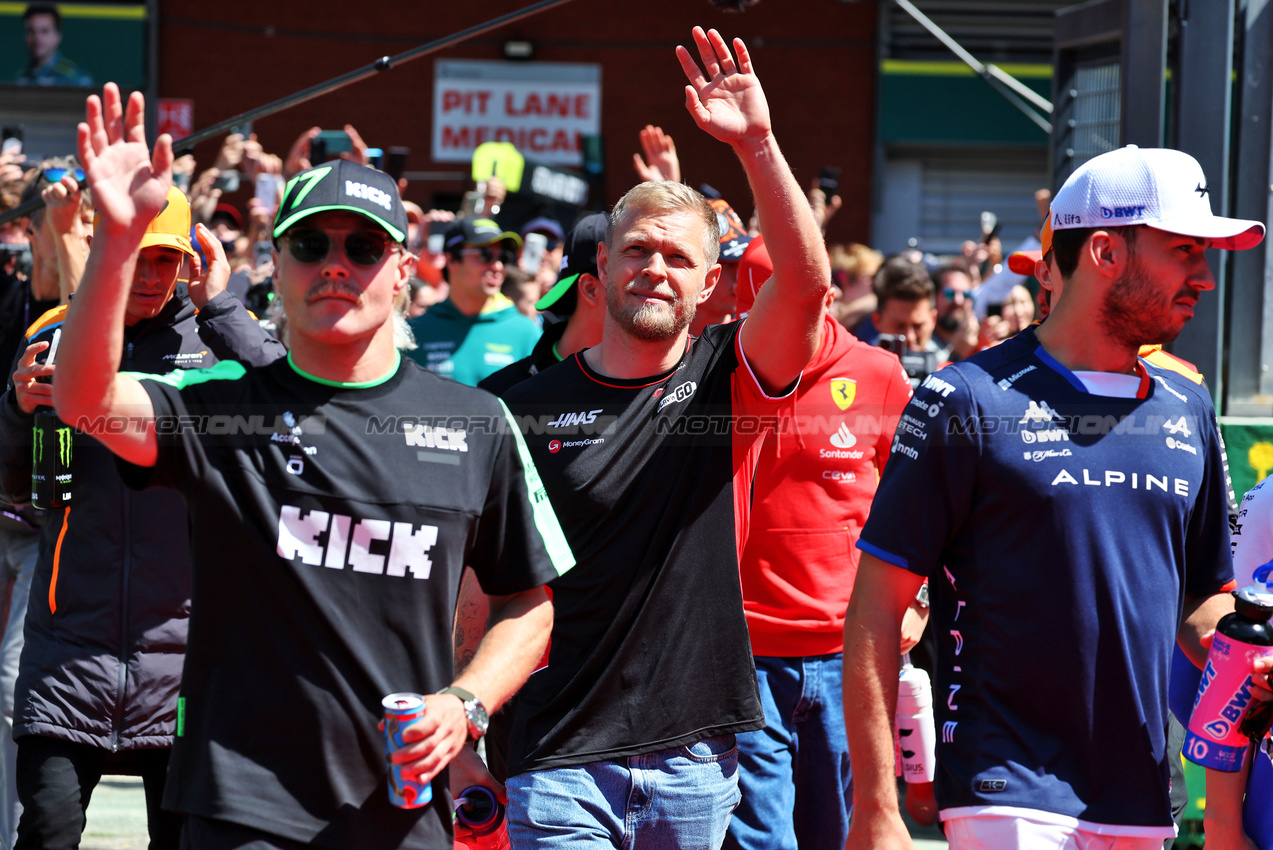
469, 348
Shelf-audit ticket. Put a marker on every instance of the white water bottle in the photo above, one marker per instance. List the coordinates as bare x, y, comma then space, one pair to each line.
916, 735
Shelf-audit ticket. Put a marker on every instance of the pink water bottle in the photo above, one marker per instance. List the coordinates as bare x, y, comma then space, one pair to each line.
1214, 738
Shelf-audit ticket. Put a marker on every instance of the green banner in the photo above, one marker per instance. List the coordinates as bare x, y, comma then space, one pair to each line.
1249, 443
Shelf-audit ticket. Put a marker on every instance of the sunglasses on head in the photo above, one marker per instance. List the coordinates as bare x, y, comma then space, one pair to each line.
362, 247
490, 254
55, 175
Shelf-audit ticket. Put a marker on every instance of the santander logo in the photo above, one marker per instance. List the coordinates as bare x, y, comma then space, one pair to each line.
843, 438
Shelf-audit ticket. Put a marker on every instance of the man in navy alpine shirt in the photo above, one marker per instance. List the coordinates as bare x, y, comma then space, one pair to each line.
627, 736
1074, 527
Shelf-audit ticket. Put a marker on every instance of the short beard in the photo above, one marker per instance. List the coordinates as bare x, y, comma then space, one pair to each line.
649, 322
1129, 314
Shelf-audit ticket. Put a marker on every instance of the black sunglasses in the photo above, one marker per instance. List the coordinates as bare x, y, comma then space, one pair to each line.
55, 175
507, 256
363, 247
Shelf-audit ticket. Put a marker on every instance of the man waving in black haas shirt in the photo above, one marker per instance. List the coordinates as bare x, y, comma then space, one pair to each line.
647, 443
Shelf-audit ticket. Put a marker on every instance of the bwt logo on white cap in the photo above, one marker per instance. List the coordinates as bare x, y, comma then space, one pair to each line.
369, 193
1158, 187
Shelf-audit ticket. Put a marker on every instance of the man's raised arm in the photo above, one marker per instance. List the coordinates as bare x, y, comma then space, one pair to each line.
129, 190
726, 100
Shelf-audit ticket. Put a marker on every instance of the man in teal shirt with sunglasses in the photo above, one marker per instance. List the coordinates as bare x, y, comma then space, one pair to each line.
476, 331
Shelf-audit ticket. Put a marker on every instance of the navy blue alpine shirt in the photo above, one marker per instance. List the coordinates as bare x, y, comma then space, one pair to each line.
1061, 531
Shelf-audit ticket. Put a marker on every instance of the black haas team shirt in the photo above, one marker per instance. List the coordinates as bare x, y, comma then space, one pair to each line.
651, 480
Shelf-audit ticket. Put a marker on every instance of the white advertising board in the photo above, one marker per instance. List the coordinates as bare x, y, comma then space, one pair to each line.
543, 108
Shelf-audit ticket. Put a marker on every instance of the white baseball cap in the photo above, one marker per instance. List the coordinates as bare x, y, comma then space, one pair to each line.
1162, 188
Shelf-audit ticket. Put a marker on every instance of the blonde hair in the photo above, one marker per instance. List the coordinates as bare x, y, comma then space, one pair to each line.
856, 260
403, 338
666, 196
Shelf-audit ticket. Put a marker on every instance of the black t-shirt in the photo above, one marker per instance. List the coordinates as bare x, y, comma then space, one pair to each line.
330, 524
651, 479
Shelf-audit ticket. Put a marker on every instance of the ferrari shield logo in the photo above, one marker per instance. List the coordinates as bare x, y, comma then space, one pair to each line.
843, 390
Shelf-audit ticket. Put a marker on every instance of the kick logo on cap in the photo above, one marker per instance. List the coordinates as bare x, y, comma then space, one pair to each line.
345, 186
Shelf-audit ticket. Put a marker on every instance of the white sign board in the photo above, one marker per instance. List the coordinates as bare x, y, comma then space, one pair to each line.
543, 108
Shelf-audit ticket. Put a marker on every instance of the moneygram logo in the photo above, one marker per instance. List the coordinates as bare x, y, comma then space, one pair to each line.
554, 446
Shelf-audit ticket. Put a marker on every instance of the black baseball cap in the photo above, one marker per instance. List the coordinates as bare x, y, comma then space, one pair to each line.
474, 233
343, 185
579, 258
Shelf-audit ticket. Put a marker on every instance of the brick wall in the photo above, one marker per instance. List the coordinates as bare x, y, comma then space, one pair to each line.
816, 58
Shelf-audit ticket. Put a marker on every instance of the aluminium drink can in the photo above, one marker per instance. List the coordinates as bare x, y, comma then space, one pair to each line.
405, 791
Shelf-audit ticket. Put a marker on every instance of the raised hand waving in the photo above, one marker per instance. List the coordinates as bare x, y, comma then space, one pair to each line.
130, 186
724, 97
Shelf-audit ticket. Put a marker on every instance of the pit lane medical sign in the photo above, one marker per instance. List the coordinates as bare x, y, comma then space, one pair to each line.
543, 108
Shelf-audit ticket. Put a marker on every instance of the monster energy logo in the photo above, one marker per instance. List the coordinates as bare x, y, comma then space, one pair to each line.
64, 446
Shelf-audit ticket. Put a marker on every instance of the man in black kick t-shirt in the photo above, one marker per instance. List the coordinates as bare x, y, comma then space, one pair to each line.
647, 443
334, 497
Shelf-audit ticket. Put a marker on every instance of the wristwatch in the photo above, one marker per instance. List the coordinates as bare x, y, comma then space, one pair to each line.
473, 710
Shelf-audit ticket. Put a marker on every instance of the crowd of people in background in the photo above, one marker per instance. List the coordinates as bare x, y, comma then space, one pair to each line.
700, 582
936, 301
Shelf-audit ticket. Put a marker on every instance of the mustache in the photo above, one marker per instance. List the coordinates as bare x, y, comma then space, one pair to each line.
661, 290
340, 288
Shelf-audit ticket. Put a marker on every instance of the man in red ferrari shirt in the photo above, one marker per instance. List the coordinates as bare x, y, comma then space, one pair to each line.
813, 488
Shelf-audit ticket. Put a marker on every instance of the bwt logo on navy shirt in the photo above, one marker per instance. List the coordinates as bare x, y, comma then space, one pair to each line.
1122, 212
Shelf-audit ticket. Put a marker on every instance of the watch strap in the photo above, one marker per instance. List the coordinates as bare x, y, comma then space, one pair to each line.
464, 695
474, 711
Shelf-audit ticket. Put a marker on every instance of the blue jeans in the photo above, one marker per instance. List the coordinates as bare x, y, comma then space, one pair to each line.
794, 774
677, 798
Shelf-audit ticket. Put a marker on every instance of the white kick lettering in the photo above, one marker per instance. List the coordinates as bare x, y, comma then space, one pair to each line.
349, 542
337, 543
360, 556
410, 550
298, 536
